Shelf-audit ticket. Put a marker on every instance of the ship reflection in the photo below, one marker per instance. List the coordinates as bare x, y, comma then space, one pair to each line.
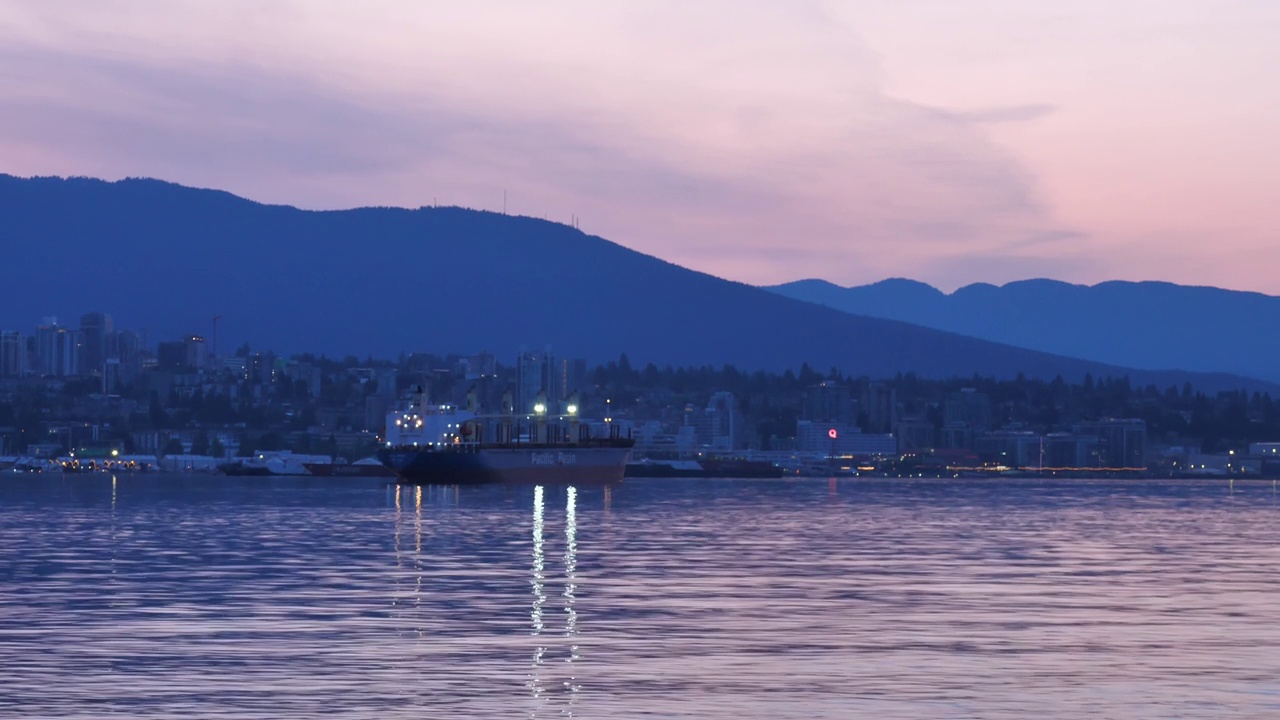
539, 600
540, 671
552, 676
570, 586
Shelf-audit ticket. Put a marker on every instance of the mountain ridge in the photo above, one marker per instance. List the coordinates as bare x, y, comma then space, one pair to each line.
387, 280
1141, 324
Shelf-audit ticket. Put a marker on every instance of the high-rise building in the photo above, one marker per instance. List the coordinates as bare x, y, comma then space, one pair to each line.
57, 349
480, 365
197, 356
828, 402
536, 375
386, 381
968, 408
95, 328
171, 356
573, 376
260, 368
185, 355
125, 347
880, 403
13, 355
719, 426
111, 376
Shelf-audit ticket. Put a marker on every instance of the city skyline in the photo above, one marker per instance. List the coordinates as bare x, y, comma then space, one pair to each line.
951, 143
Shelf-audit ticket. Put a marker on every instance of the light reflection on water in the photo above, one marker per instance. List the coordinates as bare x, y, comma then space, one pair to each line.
259, 598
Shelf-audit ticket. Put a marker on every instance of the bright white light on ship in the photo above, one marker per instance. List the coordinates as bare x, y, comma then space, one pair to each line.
539, 408
573, 409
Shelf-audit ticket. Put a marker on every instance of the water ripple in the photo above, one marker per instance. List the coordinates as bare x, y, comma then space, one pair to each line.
167, 597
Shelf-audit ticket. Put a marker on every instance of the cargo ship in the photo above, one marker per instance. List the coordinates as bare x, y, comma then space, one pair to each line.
449, 445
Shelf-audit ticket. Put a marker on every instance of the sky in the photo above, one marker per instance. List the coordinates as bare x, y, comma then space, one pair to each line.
949, 141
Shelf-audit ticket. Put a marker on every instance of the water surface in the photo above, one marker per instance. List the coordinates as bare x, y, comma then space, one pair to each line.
179, 596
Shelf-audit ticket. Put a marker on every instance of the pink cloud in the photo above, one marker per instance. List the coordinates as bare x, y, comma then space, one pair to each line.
758, 142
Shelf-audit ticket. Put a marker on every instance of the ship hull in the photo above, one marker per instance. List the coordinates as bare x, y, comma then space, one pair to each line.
529, 465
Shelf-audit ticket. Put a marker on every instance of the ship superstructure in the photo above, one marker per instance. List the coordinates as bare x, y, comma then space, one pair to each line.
446, 444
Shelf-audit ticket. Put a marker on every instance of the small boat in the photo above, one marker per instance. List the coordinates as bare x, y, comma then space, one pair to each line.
281, 462
706, 468
368, 467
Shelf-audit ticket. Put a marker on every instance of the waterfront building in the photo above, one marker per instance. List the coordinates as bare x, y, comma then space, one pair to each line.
956, 436
1010, 448
915, 435
849, 440
1122, 443
1069, 450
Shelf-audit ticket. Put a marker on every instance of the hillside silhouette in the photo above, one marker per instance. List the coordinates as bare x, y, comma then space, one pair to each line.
381, 281
1134, 324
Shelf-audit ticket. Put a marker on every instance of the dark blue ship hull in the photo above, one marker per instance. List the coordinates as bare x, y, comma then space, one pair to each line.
537, 464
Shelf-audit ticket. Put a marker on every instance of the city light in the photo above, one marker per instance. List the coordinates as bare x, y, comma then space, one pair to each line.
540, 408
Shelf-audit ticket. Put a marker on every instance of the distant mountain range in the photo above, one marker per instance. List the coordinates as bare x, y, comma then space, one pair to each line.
1134, 324
384, 280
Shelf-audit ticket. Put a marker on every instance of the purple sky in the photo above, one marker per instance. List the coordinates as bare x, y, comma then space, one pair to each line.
944, 140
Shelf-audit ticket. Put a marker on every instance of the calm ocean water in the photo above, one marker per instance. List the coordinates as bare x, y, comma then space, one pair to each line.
167, 597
